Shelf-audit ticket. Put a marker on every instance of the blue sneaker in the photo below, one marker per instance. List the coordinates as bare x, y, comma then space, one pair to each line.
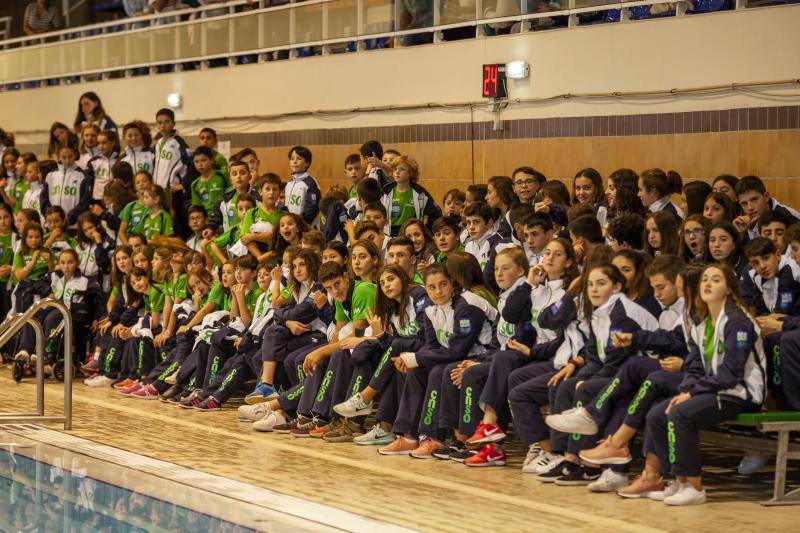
261, 393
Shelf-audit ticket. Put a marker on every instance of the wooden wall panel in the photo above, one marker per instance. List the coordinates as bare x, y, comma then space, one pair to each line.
774, 155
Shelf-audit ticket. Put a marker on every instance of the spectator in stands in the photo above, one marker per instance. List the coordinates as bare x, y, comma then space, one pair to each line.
135, 8
41, 17
91, 111
415, 14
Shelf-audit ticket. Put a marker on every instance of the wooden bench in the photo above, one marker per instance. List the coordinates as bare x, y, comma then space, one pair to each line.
780, 422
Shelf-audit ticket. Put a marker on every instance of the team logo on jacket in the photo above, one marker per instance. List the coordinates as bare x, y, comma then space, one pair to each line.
786, 300
465, 325
741, 339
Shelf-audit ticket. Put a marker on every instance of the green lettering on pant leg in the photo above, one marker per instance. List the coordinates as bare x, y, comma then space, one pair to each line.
467, 405
357, 385
227, 379
191, 385
300, 374
776, 365
431, 407
639, 395
326, 381
296, 394
140, 361
170, 369
109, 357
671, 441
603, 397
214, 369
382, 362
576, 436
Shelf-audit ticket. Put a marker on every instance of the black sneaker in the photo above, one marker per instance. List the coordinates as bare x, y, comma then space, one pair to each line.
579, 476
450, 447
170, 393
460, 455
285, 428
564, 468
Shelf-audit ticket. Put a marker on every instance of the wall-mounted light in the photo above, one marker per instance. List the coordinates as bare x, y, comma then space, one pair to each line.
517, 70
174, 100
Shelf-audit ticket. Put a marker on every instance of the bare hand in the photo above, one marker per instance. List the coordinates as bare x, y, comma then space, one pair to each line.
564, 373
741, 223
296, 327
541, 207
517, 346
276, 273
621, 340
320, 299
207, 233
399, 365
376, 324
351, 342
769, 325
677, 400
536, 275
671, 364
311, 362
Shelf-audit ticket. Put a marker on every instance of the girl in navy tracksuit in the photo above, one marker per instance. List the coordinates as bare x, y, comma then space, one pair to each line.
724, 376
609, 312
396, 328
294, 324
656, 188
632, 265
455, 327
544, 286
94, 248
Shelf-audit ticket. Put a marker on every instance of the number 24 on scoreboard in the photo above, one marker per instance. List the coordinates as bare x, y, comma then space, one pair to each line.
494, 81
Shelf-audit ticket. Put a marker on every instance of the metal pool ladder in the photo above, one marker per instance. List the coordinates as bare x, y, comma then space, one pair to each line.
9, 327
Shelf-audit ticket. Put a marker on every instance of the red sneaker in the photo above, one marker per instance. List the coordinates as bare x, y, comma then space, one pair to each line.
490, 455
485, 434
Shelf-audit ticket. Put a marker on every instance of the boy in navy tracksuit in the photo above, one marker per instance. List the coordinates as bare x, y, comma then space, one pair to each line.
790, 338
67, 187
483, 238
173, 168
771, 286
302, 192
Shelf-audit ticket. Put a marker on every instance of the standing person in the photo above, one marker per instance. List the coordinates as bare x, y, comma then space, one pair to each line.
405, 198
157, 221
208, 139
172, 165
724, 376
60, 135
66, 187
98, 170
138, 152
91, 111
208, 189
302, 192
41, 16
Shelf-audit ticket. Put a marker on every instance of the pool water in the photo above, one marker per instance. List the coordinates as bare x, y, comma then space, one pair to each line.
35, 496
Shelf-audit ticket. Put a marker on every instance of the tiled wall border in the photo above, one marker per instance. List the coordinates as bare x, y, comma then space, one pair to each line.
730, 120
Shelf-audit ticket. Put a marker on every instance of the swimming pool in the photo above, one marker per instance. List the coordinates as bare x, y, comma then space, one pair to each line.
54, 481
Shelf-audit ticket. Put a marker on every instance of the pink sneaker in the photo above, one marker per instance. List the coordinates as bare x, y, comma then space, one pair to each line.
148, 392
604, 454
641, 488
133, 388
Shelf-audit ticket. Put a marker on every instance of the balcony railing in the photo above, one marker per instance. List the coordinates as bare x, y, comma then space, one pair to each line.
237, 32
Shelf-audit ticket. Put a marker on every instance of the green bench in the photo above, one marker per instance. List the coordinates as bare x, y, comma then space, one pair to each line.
780, 422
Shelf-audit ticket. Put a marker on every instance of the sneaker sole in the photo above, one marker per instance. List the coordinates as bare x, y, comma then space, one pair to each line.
144, 397
488, 463
576, 483
421, 456
338, 440
374, 442
579, 431
635, 496
546, 479
608, 460
442, 456
352, 414
262, 430
405, 452
494, 437
606, 489
681, 504
300, 435
253, 400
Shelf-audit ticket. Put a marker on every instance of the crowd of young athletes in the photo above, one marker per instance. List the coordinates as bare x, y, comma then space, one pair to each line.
632, 304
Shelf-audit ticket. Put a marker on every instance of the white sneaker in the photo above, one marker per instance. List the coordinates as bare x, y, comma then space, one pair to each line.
671, 489
22, 355
99, 381
544, 463
375, 436
752, 462
686, 495
274, 418
172, 378
254, 412
534, 451
609, 481
575, 420
353, 406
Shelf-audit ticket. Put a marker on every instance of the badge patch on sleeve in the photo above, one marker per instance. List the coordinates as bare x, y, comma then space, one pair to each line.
741, 339
465, 325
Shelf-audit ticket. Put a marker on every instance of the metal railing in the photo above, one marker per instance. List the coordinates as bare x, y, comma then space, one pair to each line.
227, 31
5, 28
10, 326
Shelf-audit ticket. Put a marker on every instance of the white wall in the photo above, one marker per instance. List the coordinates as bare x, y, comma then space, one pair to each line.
733, 47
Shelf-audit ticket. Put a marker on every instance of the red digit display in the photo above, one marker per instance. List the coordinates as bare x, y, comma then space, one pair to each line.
494, 81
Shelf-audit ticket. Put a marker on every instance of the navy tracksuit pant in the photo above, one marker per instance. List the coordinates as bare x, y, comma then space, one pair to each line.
418, 412
656, 387
619, 389
495, 391
527, 394
460, 408
790, 368
674, 438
